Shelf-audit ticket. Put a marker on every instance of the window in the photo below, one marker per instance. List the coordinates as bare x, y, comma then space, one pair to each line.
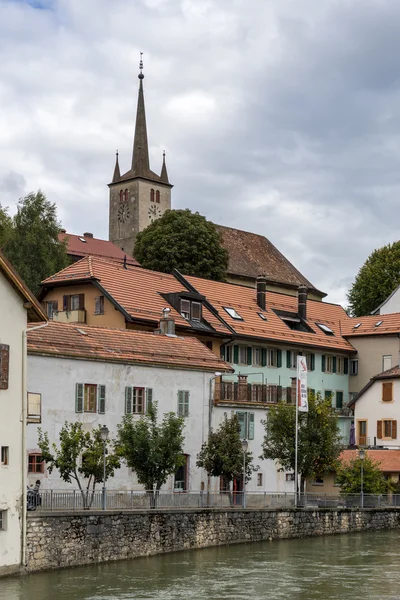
357, 325
340, 365
3, 520
246, 422
35, 463
259, 479
209, 344
257, 357
51, 308
4, 456
191, 310
135, 400
354, 366
121, 195
378, 323
151, 195
289, 476
327, 330
310, 360
181, 476
387, 391
34, 407
185, 309
273, 357
196, 311
126, 195
138, 400
4, 364
328, 394
227, 353
242, 355
99, 305
328, 363
262, 316
386, 362
158, 197
232, 313
90, 397
318, 481
183, 403
74, 302
339, 399
387, 429
291, 359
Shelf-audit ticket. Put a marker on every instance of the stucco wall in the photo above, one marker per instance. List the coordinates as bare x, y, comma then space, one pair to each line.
371, 350
371, 408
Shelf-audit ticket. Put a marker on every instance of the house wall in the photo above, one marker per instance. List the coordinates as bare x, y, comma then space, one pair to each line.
370, 352
12, 325
371, 408
392, 304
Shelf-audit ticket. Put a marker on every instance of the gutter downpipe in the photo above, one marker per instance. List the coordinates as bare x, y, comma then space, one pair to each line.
24, 474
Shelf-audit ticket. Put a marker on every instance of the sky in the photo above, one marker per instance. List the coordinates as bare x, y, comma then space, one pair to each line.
280, 117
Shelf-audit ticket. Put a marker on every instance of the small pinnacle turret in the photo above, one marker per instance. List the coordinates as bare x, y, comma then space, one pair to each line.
117, 173
164, 172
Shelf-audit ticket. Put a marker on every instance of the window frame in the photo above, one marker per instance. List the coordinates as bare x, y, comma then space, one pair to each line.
30, 416
257, 356
138, 398
185, 313
328, 360
233, 313
99, 305
74, 298
198, 306
310, 361
183, 406
35, 462
89, 387
384, 436
386, 356
5, 456
354, 367
272, 357
248, 424
3, 520
242, 351
259, 479
340, 365
51, 308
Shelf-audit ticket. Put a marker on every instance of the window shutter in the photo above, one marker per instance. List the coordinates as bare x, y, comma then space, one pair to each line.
4, 366
101, 399
249, 355
333, 364
323, 363
236, 355
81, 301
250, 417
394, 430
223, 352
79, 397
387, 391
279, 358
180, 403
379, 430
65, 303
339, 399
186, 404
312, 362
263, 357
346, 366
149, 398
242, 422
128, 400
288, 363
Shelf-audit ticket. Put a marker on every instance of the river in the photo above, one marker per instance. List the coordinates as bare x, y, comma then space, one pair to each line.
354, 566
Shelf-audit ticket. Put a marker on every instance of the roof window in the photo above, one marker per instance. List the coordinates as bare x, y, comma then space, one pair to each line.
191, 310
82, 240
232, 313
327, 330
378, 323
357, 326
262, 316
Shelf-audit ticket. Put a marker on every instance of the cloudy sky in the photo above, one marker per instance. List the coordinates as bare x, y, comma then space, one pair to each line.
280, 117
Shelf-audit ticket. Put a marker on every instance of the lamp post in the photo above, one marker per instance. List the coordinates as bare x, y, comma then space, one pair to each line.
361, 455
104, 437
245, 445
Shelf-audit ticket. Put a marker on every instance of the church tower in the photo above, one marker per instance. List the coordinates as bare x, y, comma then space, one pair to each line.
139, 196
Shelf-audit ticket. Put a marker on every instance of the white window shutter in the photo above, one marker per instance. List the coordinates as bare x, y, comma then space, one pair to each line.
149, 398
101, 399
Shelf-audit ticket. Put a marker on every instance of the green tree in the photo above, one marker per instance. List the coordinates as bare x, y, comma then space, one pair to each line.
32, 245
376, 280
5, 226
153, 450
185, 241
319, 440
348, 475
222, 454
80, 456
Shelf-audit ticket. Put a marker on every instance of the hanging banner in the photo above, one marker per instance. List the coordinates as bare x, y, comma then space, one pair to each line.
302, 392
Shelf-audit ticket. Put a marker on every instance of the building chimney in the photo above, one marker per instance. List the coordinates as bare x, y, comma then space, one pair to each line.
302, 302
88, 234
261, 284
167, 323
63, 231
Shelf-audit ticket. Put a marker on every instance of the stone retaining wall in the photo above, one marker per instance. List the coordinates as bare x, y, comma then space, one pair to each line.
56, 540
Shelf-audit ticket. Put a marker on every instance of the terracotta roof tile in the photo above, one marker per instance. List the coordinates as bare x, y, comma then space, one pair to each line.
389, 459
81, 245
34, 311
356, 326
123, 345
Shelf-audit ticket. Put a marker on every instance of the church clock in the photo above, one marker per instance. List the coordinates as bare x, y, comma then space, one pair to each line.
123, 212
154, 212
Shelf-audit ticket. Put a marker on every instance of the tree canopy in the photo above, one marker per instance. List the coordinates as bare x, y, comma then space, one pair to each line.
31, 239
185, 241
348, 475
376, 280
319, 441
5, 225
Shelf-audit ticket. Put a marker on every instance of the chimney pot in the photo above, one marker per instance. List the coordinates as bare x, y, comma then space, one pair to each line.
167, 323
302, 302
63, 231
261, 286
88, 234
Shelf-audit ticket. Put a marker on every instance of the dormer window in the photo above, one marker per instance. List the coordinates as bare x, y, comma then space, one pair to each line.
196, 311
185, 309
191, 310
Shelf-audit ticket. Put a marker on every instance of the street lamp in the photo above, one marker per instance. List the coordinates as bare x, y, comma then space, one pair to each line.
104, 437
245, 445
361, 455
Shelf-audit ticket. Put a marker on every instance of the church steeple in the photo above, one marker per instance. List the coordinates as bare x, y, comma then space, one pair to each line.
140, 155
164, 172
117, 172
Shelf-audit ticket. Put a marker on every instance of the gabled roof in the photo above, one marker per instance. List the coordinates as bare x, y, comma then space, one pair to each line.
393, 373
372, 325
389, 459
376, 311
84, 245
251, 255
123, 346
34, 310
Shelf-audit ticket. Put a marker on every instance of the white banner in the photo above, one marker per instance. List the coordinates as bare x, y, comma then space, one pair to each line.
302, 392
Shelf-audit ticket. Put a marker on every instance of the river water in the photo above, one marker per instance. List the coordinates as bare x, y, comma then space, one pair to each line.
356, 566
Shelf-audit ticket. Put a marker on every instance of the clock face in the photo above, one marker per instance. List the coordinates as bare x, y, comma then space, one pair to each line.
154, 212
123, 212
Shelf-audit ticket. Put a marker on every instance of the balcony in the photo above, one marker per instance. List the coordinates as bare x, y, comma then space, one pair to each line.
254, 393
70, 316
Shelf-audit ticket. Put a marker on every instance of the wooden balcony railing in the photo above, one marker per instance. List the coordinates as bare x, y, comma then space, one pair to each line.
232, 391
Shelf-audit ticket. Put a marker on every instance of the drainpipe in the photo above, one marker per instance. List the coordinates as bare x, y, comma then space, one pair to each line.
23, 420
210, 407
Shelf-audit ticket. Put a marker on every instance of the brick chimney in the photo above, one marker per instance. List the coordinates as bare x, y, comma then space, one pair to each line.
302, 302
261, 286
167, 323
88, 234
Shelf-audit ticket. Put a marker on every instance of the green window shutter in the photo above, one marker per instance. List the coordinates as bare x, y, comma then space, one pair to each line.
250, 420
346, 366
242, 422
312, 362
288, 363
128, 400
334, 364
183, 403
223, 352
186, 410
339, 399
236, 355
101, 399
279, 358
327, 394
79, 397
180, 403
149, 398
249, 355
263, 357
323, 363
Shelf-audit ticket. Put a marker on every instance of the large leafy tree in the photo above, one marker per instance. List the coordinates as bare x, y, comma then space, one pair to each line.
319, 440
376, 280
5, 225
185, 241
32, 244
154, 450
79, 458
348, 475
222, 454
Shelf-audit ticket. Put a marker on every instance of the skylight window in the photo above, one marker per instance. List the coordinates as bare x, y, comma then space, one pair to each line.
378, 323
357, 326
262, 316
82, 240
327, 330
232, 313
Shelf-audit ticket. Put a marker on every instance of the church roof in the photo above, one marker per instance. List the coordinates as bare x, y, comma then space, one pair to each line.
251, 255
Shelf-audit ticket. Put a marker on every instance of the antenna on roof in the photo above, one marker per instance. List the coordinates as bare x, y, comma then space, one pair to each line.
125, 267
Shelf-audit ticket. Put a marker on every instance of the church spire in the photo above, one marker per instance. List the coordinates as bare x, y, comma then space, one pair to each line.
140, 156
164, 172
117, 173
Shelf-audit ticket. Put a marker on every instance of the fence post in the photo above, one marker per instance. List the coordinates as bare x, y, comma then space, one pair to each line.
51, 499
74, 503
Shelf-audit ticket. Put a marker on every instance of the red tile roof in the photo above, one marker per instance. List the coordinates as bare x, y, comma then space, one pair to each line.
358, 326
123, 345
84, 245
34, 310
389, 459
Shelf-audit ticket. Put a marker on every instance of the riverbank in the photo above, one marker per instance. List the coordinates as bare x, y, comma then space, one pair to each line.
65, 539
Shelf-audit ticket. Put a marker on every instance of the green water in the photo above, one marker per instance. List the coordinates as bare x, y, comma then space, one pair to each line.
357, 566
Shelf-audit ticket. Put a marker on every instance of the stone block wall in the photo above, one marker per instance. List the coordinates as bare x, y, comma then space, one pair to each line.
56, 540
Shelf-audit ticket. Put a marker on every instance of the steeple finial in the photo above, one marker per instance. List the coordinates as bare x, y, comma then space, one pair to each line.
117, 173
141, 76
164, 173
140, 156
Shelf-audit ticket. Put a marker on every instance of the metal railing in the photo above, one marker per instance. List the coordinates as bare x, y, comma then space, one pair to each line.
252, 392
71, 500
